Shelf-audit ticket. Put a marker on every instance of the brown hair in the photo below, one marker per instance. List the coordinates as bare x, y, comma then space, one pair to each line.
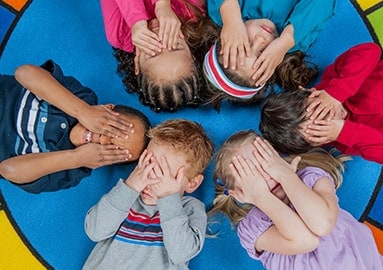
199, 34
237, 211
292, 72
282, 115
188, 138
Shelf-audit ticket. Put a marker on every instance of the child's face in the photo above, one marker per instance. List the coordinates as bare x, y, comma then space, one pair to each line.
168, 65
79, 135
261, 33
247, 152
175, 160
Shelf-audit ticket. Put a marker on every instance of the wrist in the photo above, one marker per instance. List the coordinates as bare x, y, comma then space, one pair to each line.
162, 4
230, 12
287, 37
130, 185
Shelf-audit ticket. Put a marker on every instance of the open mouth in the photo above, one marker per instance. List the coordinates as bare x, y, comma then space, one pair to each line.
87, 136
277, 186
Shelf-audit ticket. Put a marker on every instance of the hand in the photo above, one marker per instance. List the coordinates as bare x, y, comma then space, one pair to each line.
267, 62
252, 183
170, 24
168, 183
234, 42
145, 39
94, 155
324, 131
140, 176
323, 106
101, 119
269, 161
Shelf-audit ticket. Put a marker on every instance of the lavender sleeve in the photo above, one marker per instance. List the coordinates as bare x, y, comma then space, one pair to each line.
256, 222
250, 228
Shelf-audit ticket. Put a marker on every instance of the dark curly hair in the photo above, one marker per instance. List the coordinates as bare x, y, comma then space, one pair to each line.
199, 34
281, 117
292, 72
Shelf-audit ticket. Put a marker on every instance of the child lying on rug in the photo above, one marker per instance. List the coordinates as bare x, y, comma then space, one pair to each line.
145, 222
158, 45
53, 133
290, 219
345, 109
262, 43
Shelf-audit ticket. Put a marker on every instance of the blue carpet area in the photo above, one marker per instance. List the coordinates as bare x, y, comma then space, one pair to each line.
71, 33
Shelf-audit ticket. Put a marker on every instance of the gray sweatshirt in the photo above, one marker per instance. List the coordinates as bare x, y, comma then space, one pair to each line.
132, 235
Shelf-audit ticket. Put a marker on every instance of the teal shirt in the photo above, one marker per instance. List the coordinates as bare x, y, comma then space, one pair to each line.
308, 17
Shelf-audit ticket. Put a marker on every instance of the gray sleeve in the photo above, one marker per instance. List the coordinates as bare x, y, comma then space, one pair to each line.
103, 220
183, 222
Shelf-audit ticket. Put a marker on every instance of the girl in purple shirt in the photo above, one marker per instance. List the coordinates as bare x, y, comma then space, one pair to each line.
290, 219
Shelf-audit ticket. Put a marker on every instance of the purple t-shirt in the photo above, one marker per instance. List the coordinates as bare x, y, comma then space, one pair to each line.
349, 246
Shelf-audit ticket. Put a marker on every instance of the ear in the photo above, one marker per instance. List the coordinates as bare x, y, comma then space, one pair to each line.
109, 106
194, 183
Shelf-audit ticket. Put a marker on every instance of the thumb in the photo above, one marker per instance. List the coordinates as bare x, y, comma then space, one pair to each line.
294, 163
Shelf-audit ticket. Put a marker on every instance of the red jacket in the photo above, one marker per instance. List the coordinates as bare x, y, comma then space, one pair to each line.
356, 80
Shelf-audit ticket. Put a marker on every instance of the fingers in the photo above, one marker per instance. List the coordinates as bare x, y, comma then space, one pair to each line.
264, 71
324, 112
169, 35
311, 108
233, 58
180, 174
157, 170
149, 43
109, 154
319, 131
243, 52
114, 125
144, 158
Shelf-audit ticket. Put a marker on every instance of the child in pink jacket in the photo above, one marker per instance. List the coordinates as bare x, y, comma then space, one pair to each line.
345, 109
156, 43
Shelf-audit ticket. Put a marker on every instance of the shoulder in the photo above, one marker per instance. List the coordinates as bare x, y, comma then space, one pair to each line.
189, 202
310, 175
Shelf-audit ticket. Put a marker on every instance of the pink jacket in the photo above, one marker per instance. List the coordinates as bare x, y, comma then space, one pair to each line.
120, 15
356, 80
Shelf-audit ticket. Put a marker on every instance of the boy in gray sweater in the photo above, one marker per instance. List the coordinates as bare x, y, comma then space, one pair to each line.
145, 222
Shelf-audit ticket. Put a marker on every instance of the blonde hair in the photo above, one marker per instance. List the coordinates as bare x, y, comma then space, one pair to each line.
188, 138
318, 157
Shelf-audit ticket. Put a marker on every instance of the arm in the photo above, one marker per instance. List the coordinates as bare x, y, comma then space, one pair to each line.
317, 207
273, 55
41, 164
362, 140
344, 77
308, 19
234, 39
303, 25
183, 222
289, 234
104, 219
95, 118
170, 24
131, 11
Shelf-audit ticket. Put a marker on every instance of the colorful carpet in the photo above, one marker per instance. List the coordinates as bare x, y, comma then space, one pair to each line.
45, 231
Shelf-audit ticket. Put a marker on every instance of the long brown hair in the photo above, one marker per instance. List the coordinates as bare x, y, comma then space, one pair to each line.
237, 211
